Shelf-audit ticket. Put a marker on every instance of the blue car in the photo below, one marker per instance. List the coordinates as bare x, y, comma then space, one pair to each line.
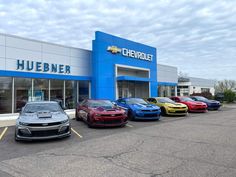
211, 104
139, 109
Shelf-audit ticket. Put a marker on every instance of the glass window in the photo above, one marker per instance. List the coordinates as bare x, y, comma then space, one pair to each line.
5, 95
22, 92
56, 91
83, 90
41, 91
71, 92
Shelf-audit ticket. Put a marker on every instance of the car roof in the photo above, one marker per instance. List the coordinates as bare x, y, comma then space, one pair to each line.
37, 102
97, 99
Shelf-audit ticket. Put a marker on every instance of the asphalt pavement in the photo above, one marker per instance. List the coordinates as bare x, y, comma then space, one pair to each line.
197, 145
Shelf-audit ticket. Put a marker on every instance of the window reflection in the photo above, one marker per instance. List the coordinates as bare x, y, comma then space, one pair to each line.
56, 91
5, 95
23, 92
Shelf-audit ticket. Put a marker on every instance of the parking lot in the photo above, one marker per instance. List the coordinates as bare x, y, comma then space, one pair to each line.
200, 144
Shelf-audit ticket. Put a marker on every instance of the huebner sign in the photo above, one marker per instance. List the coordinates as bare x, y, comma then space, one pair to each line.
42, 67
130, 53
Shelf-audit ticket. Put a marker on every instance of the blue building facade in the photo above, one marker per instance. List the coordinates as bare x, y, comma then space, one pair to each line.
115, 60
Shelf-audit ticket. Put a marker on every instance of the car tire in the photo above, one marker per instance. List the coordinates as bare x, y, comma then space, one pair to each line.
163, 111
77, 117
130, 115
88, 122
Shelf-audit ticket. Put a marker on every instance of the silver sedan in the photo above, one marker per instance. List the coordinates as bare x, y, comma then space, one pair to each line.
42, 120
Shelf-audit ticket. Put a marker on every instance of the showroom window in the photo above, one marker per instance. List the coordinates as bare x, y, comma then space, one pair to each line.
70, 94
57, 91
5, 95
41, 89
66, 92
22, 92
83, 90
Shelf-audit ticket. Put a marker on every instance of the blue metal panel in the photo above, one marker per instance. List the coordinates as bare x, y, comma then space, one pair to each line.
131, 78
41, 75
167, 84
103, 63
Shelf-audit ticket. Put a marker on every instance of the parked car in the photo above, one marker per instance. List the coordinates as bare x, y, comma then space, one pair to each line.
100, 113
42, 120
193, 106
168, 106
139, 109
211, 104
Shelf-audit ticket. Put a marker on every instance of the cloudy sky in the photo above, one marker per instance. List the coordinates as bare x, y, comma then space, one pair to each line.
197, 36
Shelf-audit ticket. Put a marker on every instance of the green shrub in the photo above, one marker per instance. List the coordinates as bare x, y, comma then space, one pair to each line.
229, 96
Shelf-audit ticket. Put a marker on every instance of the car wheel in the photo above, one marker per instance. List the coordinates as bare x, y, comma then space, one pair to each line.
130, 115
163, 111
89, 122
77, 117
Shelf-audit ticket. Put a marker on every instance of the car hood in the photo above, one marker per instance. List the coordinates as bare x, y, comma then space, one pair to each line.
107, 111
213, 101
195, 103
39, 118
145, 107
175, 104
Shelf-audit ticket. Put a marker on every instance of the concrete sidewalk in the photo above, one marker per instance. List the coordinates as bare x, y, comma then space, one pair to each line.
10, 119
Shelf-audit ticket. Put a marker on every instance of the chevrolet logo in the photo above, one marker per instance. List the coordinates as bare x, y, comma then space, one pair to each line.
113, 49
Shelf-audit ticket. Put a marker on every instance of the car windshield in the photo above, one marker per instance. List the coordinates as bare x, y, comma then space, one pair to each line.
186, 99
136, 101
201, 98
165, 100
100, 103
35, 107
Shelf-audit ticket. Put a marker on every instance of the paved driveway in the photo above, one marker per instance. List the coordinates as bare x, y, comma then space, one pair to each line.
200, 145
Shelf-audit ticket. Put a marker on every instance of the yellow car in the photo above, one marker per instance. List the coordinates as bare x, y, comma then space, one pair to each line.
168, 106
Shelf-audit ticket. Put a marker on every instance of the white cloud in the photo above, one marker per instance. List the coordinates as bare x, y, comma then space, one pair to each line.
197, 36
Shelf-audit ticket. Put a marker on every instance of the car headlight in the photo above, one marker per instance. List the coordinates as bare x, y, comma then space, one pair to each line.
171, 107
97, 114
23, 123
65, 121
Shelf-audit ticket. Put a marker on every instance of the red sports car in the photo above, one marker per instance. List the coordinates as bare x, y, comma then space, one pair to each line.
193, 106
100, 113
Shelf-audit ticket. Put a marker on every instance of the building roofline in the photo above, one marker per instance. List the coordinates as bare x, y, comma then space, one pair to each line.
45, 42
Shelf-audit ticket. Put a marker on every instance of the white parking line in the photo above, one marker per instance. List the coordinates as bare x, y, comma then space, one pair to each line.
128, 125
4, 131
77, 133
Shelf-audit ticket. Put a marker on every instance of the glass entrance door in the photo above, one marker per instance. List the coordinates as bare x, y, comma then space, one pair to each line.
133, 89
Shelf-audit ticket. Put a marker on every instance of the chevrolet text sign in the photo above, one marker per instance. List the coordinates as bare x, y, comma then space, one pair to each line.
130, 53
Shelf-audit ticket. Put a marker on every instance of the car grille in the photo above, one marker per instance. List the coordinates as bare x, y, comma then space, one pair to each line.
150, 115
44, 124
152, 110
44, 133
180, 111
179, 107
115, 121
111, 115
200, 109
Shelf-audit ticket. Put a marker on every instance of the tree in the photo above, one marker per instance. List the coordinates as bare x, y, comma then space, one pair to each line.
229, 96
222, 86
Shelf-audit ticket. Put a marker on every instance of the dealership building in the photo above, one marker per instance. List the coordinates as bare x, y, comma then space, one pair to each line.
33, 70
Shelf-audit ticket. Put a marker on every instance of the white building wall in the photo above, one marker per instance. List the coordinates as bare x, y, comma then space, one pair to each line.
13, 48
167, 73
196, 85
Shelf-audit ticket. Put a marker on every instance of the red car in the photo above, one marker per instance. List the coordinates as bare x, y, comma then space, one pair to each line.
101, 113
193, 106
